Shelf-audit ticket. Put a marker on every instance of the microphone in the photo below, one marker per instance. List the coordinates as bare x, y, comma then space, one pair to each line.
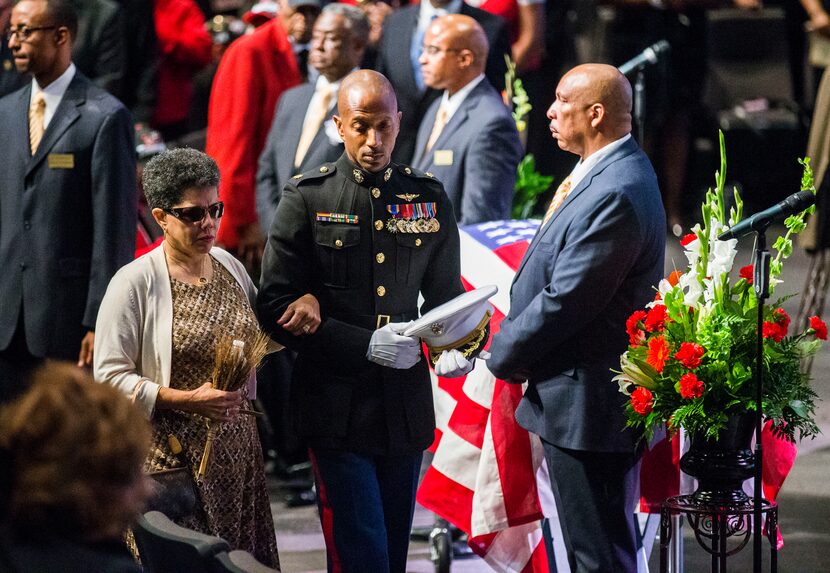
647, 57
793, 204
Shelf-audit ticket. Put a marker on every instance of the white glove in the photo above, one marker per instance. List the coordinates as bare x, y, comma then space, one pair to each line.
388, 348
452, 364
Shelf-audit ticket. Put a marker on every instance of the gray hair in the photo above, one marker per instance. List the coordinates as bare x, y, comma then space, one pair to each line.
358, 22
168, 175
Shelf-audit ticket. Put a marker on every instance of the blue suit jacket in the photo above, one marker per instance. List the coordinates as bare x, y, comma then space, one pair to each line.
482, 140
276, 163
67, 215
585, 272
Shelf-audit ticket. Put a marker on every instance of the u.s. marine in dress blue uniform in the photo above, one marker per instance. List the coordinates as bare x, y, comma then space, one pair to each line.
365, 245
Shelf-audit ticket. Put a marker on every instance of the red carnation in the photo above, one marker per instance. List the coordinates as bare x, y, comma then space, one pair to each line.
656, 318
687, 239
690, 386
636, 335
773, 330
642, 400
658, 353
818, 325
780, 316
690, 354
747, 273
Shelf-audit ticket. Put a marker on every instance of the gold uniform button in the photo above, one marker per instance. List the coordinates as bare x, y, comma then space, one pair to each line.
324, 169
375, 192
381, 290
417, 242
338, 243
379, 225
380, 257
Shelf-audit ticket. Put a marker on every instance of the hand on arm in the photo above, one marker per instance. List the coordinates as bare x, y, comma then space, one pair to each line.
302, 316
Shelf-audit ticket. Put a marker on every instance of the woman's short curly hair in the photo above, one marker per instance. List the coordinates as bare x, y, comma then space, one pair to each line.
168, 175
70, 446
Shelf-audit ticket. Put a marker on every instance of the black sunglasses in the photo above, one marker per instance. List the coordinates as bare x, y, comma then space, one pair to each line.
197, 214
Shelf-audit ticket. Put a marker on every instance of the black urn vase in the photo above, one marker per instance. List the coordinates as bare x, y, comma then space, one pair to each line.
721, 464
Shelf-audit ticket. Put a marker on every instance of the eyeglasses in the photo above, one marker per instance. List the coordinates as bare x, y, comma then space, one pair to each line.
197, 214
23, 32
433, 50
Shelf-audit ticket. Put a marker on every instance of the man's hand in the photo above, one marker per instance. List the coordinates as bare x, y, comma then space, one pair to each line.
302, 316
391, 349
251, 245
87, 347
452, 364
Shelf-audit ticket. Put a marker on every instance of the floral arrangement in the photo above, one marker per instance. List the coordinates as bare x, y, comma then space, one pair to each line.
691, 356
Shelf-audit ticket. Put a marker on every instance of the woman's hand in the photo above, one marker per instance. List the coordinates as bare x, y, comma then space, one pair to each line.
205, 400
302, 316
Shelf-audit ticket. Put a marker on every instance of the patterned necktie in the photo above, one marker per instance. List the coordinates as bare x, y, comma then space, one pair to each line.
558, 198
437, 128
37, 113
313, 121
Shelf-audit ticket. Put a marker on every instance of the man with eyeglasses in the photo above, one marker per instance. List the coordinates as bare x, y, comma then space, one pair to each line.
67, 196
468, 138
399, 54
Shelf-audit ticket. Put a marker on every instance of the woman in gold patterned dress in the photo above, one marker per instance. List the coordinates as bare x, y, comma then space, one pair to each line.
156, 335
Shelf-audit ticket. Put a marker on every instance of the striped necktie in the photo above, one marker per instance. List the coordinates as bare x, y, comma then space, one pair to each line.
558, 198
37, 113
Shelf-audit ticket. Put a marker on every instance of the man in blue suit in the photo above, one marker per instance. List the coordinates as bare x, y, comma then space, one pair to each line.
67, 196
399, 53
592, 263
468, 138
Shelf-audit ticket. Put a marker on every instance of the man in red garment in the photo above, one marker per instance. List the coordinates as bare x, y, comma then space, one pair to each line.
252, 75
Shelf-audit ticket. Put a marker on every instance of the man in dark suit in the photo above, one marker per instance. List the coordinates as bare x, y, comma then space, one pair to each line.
303, 134
592, 263
364, 236
403, 33
468, 138
67, 196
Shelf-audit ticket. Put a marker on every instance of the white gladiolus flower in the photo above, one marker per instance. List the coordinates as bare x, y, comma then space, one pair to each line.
722, 256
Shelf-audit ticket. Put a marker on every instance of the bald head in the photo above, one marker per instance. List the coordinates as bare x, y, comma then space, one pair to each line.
368, 119
592, 108
366, 88
454, 52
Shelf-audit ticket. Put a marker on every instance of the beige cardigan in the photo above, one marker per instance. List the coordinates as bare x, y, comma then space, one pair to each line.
133, 334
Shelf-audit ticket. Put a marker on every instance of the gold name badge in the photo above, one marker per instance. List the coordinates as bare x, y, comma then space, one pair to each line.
443, 157
61, 161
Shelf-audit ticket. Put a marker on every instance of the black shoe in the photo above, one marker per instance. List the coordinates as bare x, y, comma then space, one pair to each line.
301, 498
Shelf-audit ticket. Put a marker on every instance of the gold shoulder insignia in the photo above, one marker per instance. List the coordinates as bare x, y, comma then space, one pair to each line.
298, 176
428, 174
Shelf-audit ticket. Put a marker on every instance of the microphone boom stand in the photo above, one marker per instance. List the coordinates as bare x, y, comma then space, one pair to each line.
761, 280
640, 102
